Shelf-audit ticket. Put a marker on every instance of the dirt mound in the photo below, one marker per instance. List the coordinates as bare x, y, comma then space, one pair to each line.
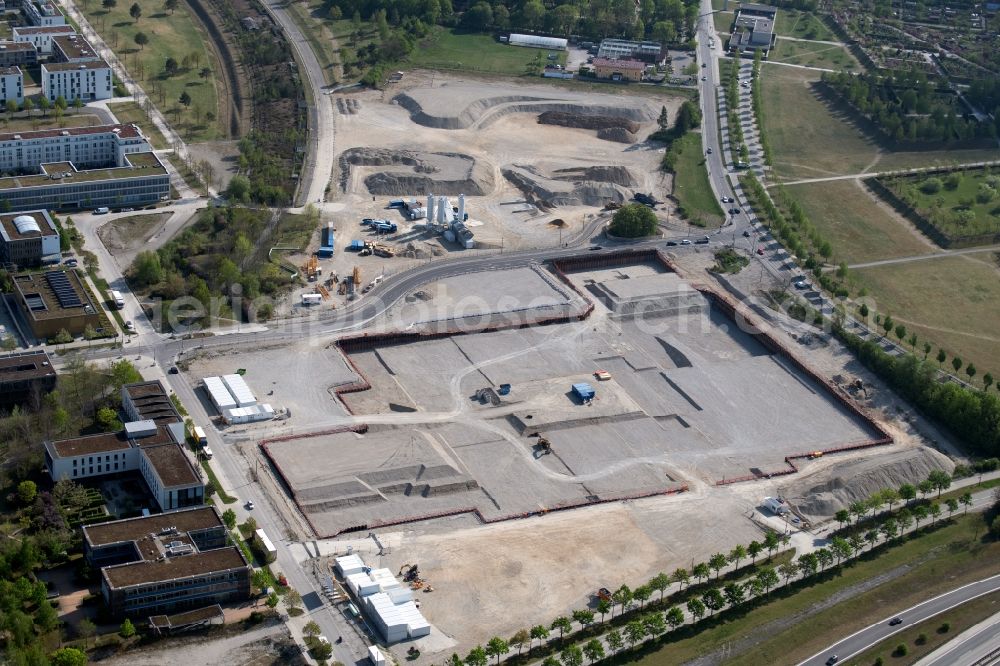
618, 175
416, 172
587, 121
823, 494
547, 192
617, 134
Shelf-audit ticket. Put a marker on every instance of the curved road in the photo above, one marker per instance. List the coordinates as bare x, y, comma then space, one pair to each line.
878, 632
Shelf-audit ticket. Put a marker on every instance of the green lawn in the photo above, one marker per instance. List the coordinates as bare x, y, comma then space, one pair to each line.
814, 54
942, 207
446, 49
723, 22
792, 628
859, 229
803, 25
170, 36
950, 301
691, 186
130, 112
923, 638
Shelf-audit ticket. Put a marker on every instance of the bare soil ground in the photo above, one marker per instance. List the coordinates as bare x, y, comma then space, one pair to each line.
128, 234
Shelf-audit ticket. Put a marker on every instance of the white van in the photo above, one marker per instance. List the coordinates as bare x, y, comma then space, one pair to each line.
103, 210
208, 453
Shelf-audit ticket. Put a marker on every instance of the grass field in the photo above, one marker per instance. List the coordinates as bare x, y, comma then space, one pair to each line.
927, 565
723, 22
691, 186
446, 49
859, 229
808, 141
950, 301
813, 54
130, 112
804, 25
170, 36
948, 202
40, 122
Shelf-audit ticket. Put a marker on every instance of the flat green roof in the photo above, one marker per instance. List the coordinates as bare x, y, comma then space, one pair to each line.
142, 164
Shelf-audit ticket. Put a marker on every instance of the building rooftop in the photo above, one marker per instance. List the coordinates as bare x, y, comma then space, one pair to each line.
133, 529
176, 567
106, 442
140, 164
189, 617
74, 46
69, 66
29, 224
619, 64
765, 10
8, 71
17, 46
44, 30
54, 294
126, 131
29, 365
152, 402
171, 463
144, 389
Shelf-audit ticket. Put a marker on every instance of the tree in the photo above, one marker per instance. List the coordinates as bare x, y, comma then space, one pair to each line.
28, 105
622, 596
788, 570
11, 107
940, 480
771, 542
603, 607
887, 325
889, 529
700, 571
44, 104
141, 39
808, 564
615, 641
717, 563
674, 617
900, 332
926, 487
563, 624
664, 120
654, 623
293, 599
311, 629
520, 639
109, 4
86, 629
634, 632
825, 557
27, 491
205, 72
680, 576
594, 649
229, 518
660, 582
696, 608
68, 656
538, 632
966, 500
754, 548
127, 629
941, 356
905, 519
935, 511
907, 492
858, 510
957, 363
108, 419
970, 370
952, 505
478, 17
571, 655
147, 269
738, 553
843, 517
633, 221
135, 11
185, 99
768, 578
171, 67
734, 594
889, 497
584, 617
170, 5
77, 104
497, 647
642, 595
477, 657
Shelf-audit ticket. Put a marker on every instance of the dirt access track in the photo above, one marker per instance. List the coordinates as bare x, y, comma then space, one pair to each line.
524, 154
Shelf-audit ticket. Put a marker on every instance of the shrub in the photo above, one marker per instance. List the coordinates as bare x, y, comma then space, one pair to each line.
944, 628
921, 639
901, 650
931, 186
633, 221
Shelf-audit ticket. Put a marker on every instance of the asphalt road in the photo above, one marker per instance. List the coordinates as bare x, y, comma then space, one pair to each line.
871, 635
973, 646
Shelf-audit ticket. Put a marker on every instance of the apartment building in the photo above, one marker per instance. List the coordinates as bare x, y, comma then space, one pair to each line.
40, 36
87, 81
11, 85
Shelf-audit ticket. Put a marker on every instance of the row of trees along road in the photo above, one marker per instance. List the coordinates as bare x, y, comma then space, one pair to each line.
594, 641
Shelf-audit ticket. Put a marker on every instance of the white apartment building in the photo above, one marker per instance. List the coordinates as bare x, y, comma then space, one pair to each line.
85, 147
87, 81
11, 85
40, 36
42, 12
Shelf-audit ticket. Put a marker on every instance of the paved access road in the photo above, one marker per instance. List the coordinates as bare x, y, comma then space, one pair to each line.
978, 645
869, 636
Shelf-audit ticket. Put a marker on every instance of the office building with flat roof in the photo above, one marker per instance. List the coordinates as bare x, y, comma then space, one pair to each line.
167, 563
17, 53
28, 238
40, 36
25, 378
56, 300
73, 48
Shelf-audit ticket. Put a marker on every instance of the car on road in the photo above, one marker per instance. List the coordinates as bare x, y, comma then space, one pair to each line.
594, 248
801, 284
832, 660
894, 621
130, 327
734, 211
704, 65
746, 233
708, 152
173, 370
249, 505
760, 250
727, 200
704, 78
685, 242
671, 243
71, 263
128, 210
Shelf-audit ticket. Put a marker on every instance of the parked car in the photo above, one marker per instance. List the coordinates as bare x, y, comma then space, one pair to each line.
734, 211
130, 327
746, 233
249, 505
173, 370
71, 263
103, 210
671, 243
760, 250
685, 242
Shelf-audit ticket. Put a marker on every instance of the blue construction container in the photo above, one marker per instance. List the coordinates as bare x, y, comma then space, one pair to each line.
326, 243
504, 389
584, 391
356, 246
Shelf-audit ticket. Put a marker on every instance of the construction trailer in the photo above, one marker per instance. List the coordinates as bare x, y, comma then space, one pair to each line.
265, 545
312, 299
326, 241
584, 391
776, 505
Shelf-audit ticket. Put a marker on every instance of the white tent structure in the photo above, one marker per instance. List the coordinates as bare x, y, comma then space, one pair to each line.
538, 42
